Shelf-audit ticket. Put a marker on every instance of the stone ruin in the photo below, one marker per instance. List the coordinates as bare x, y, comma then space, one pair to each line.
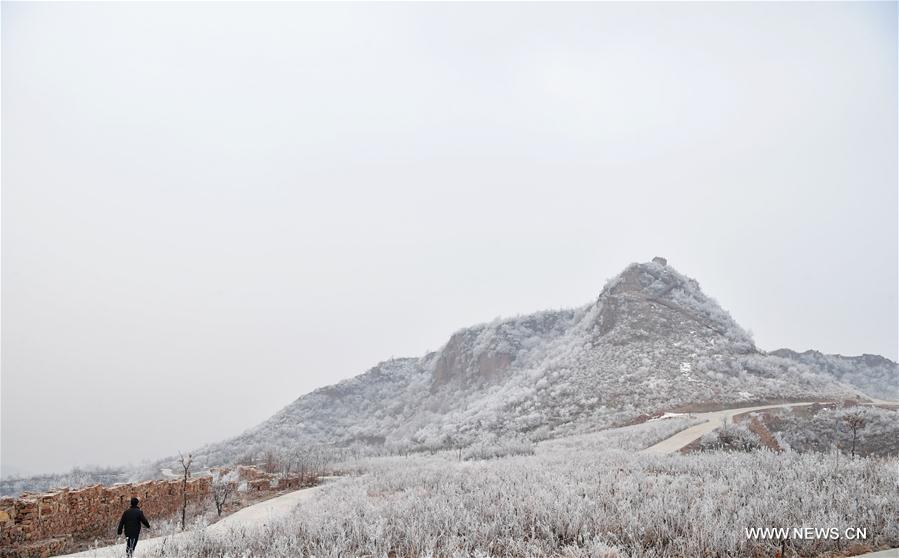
45, 524
41, 525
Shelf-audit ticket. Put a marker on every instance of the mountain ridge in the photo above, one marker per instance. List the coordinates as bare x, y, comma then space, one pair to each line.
652, 339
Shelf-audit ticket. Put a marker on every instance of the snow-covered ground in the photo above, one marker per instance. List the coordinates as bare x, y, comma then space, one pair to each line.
411, 500
891, 553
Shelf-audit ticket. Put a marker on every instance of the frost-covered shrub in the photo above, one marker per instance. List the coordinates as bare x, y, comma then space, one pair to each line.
634, 437
499, 448
862, 430
577, 503
733, 437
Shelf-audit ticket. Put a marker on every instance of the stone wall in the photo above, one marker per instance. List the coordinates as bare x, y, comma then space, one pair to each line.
40, 525
260, 481
37, 524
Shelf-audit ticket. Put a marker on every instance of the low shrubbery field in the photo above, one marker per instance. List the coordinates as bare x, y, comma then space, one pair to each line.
575, 498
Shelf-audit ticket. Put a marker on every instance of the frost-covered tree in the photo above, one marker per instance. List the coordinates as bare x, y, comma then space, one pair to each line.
223, 487
853, 420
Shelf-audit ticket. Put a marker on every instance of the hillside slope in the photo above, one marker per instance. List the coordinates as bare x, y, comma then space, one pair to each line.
874, 375
652, 340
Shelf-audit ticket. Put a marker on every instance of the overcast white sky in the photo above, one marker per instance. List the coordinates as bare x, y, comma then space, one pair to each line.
211, 209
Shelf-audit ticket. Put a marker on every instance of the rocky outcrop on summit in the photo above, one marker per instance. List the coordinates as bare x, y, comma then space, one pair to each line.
651, 341
655, 300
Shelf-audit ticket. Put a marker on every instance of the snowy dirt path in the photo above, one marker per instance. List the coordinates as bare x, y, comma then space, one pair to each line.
256, 515
715, 419
891, 553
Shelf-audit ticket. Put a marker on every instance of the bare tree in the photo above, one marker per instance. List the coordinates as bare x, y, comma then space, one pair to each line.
185, 465
246, 458
289, 461
270, 461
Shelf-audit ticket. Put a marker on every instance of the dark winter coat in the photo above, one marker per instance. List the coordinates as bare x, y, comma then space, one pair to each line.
131, 521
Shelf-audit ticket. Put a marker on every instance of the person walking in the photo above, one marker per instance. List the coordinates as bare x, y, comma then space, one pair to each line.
131, 522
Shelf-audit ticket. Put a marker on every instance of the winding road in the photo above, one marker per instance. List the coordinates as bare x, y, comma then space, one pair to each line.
715, 419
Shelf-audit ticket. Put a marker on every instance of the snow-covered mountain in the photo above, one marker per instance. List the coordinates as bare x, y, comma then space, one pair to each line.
651, 341
874, 375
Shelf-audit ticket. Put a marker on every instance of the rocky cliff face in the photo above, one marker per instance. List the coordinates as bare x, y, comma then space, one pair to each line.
652, 340
483, 355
